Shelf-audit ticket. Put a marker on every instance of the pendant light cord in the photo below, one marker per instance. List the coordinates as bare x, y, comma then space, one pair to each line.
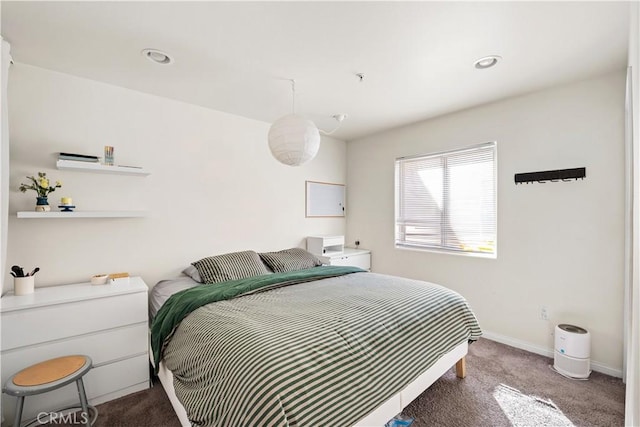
339, 117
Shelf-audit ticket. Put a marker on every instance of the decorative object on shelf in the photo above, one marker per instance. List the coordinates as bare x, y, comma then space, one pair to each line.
99, 279
108, 155
119, 278
66, 204
293, 139
17, 271
78, 157
42, 204
23, 284
553, 176
41, 186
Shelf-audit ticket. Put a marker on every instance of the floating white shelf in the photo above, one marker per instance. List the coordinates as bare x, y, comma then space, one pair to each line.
100, 168
83, 214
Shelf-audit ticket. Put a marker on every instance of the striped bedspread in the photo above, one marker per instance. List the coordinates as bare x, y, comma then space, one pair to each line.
320, 353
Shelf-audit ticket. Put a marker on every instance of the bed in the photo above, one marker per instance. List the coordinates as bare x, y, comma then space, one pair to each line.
317, 345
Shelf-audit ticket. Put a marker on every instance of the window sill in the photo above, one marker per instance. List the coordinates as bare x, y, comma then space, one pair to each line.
447, 252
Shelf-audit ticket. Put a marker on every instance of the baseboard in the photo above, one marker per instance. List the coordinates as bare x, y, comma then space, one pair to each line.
548, 352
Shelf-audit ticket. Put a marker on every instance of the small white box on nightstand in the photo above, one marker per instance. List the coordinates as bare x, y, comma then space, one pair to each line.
323, 245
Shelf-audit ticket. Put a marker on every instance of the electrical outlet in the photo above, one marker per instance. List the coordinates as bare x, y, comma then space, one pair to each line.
544, 313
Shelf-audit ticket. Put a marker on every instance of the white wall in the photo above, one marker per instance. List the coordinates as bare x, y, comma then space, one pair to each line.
5, 51
214, 186
632, 408
559, 244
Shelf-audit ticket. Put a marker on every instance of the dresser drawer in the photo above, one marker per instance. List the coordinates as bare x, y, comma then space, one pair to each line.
103, 347
363, 261
59, 321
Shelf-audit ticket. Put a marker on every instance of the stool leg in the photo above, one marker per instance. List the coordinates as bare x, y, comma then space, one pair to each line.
18, 417
83, 402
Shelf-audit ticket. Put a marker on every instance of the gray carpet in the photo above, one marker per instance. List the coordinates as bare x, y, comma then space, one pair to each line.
503, 380
504, 387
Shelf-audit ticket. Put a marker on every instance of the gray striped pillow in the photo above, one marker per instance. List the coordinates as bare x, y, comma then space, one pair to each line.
231, 266
290, 260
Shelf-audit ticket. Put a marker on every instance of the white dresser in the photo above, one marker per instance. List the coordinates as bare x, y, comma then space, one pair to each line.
109, 323
348, 256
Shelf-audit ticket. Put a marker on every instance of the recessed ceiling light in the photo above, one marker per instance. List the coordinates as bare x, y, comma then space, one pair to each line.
157, 56
487, 62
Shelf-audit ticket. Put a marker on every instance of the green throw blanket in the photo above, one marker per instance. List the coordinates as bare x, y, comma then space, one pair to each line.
179, 306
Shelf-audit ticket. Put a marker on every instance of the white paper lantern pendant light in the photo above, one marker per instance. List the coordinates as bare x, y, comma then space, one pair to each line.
293, 139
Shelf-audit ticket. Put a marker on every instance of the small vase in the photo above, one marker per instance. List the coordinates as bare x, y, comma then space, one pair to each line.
42, 204
23, 285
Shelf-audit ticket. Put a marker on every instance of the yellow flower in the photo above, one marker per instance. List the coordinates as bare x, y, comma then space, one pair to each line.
40, 185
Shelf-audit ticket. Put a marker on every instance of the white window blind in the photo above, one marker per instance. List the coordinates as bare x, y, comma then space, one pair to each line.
447, 201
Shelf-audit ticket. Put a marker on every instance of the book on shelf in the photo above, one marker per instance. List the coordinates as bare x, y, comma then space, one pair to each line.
78, 157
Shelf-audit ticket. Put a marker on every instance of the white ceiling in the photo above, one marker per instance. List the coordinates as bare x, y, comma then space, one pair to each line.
237, 57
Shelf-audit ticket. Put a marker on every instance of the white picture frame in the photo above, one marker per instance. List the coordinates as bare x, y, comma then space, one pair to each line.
324, 200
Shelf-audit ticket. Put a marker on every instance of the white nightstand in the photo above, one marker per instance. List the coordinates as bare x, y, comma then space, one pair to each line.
109, 323
349, 256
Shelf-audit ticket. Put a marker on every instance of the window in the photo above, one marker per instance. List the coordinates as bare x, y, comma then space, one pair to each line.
447, 201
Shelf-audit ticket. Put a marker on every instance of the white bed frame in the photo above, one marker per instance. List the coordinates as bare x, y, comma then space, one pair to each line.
380, 416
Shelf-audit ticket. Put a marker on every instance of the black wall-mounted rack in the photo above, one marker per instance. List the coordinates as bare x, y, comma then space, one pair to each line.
554, 176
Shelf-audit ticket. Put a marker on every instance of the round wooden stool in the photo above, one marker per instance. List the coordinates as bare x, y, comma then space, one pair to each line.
51, 375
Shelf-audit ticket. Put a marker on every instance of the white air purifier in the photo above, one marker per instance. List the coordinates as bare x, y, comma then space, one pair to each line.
572, 355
